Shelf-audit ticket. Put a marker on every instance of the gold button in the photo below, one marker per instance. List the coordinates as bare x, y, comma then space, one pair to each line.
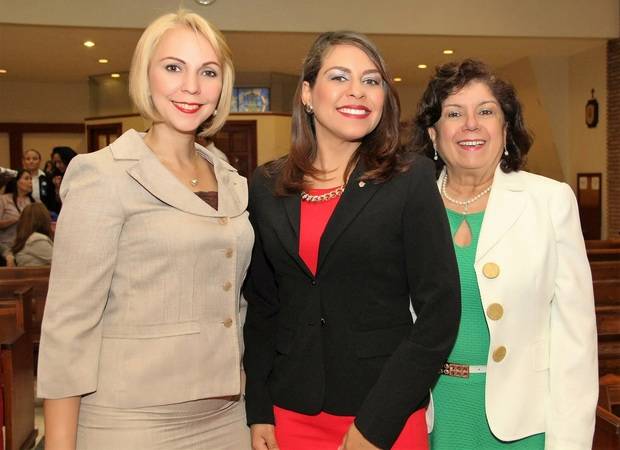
223, 220
499, 353
490, 270
227, 286
229, 252
495, 311
228, 323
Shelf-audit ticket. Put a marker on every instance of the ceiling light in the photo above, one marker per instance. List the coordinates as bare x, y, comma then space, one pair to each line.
397, 79
448, 52
205, 2
89, 44
3, 71
115, 75
103, 61
422, 66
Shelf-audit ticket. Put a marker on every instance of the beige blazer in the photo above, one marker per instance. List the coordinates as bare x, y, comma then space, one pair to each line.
536, 290
143, 303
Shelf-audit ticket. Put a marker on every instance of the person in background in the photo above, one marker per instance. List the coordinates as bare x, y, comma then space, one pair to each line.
43, 189
33, 242
48, 168
349, 232
143, 349
61, 157
18, 195
523, 372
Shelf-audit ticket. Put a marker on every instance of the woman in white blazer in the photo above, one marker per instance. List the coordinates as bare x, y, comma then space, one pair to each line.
523, 372
140, 345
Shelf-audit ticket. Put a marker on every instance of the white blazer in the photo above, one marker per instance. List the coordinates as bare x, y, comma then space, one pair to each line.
536, 289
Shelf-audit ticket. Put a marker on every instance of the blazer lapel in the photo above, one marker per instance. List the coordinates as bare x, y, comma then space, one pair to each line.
151, 174
290, 231
506, 204
354, 197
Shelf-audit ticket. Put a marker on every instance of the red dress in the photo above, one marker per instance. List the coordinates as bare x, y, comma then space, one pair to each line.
324, 431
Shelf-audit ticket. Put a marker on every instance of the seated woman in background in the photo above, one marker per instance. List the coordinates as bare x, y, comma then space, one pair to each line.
33, 243
18, 196
42, 186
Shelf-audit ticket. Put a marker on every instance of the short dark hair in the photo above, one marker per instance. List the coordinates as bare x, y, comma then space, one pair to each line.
379, 149
450, 78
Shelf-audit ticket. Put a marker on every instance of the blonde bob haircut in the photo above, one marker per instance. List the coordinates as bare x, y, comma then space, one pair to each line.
139, 89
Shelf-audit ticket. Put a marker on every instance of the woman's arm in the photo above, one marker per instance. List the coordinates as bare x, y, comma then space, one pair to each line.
433, 278
6, 219
61, 417
86, 244
261, 293
573, 364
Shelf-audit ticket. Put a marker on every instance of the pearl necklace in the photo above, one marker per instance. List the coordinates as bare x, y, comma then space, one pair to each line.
323, 197
464, 203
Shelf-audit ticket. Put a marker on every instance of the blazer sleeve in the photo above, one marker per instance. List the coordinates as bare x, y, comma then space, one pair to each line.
409, 373
573, 362
261, 293
85, 252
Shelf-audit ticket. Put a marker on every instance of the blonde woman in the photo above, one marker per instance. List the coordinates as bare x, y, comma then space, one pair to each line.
140, 343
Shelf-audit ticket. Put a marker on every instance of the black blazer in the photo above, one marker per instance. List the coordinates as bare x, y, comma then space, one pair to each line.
47, 192
343, 341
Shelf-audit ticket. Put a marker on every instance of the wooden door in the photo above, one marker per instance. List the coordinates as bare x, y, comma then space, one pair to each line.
589, 199
237, 139
100, 136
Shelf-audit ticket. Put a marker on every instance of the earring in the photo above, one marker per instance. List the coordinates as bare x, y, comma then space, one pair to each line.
214, 113
308, 108
436, 156
505, 151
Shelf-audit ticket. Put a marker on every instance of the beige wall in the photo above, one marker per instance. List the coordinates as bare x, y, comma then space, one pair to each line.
272, 140
588, 146
45, 142
273, 135
552, 18
5, 155
43, 102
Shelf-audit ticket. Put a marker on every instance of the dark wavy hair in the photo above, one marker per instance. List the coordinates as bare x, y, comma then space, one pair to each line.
66, 154
11, 187
379, 150
449, 79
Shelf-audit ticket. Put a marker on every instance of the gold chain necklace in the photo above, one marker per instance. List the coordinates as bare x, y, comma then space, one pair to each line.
322, 197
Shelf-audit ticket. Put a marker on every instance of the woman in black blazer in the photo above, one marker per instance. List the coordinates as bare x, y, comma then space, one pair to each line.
349, 233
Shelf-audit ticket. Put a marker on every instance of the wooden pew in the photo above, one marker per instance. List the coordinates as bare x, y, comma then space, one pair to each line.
603, 254
21, 298
605, 270
37, 277
17, 382
603, 243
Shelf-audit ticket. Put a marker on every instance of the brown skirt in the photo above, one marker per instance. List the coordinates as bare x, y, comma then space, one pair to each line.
209, 424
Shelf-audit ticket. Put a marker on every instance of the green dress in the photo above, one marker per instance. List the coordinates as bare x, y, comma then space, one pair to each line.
460, 419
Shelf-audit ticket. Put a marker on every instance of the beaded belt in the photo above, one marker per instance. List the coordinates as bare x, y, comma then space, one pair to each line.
460, 370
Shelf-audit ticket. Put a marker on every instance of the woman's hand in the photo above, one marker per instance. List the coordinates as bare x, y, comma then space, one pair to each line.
264, 437
354, 440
